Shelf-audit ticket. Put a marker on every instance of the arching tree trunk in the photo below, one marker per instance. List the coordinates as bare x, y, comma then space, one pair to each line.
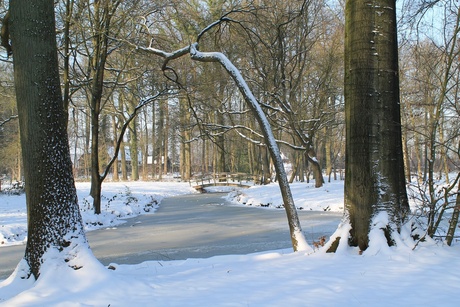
297, 236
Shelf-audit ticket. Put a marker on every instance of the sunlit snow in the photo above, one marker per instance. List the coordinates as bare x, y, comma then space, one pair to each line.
398, 276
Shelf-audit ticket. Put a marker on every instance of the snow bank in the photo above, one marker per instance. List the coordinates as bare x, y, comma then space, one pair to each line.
306, 196
278, 278
120, 200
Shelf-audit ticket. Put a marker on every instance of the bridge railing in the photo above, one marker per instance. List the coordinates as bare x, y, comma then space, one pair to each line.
219, 178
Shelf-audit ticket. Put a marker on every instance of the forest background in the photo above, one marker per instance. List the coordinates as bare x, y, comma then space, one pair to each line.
191, 121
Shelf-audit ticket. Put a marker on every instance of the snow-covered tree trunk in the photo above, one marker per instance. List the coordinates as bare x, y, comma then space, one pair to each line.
298, 240
297, 237
54, 220
374, 181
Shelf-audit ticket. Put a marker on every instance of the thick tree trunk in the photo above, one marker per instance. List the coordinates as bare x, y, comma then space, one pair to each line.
96, 193
54, 219
19, 163
374, 180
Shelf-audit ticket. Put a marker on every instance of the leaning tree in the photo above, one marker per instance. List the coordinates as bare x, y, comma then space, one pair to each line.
297, 237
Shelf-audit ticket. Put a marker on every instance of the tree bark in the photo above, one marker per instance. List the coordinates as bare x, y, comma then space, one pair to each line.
54, 220
374, 164
66, 78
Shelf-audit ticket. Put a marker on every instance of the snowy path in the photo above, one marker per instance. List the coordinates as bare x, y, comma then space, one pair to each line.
194, 226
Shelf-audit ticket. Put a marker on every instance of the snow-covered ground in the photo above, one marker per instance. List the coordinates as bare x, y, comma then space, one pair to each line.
399, 276
120, 200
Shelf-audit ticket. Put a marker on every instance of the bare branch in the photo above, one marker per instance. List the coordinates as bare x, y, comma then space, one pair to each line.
212, 25
8, 119
133, 115
168, 56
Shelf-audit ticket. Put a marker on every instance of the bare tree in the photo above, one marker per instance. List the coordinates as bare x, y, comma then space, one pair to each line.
430, 101
297, 236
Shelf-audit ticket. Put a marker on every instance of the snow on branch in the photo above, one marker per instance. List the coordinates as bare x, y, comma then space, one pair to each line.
237, 128
168, 56
245, 91
8, 119
297, 237
212, 25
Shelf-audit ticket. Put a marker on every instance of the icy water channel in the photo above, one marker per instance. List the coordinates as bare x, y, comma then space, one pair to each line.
194, 226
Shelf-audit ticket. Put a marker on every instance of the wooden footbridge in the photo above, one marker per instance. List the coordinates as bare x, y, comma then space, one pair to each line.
203, 181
